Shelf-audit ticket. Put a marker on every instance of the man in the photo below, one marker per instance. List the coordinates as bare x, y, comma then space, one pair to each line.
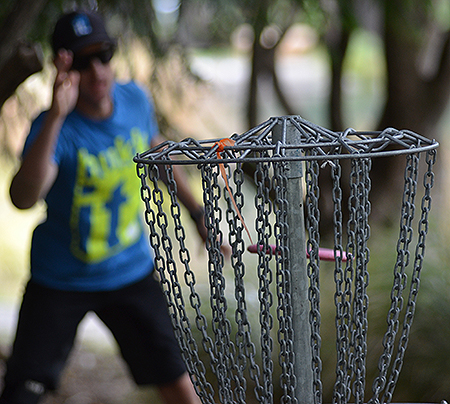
91, 253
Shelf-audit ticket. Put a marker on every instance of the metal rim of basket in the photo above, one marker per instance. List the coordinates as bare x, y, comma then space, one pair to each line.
318, 143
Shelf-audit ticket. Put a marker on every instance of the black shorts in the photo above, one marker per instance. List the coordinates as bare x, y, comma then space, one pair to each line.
136, 315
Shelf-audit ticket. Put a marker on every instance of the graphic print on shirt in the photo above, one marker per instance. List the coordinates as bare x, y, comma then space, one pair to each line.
106, 207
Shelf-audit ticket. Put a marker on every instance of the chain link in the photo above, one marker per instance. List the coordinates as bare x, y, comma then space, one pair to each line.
342, 297
169, 282
312, 246
403, 256
284, 308
263, 206
360, 206
400, 278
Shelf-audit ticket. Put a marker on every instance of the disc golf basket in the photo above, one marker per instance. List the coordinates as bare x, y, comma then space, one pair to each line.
232, 360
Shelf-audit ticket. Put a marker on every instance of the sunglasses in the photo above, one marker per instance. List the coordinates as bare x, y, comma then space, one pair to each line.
84, 62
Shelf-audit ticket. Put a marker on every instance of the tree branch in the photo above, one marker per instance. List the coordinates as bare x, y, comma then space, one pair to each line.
16, 25
440, 84
26, 60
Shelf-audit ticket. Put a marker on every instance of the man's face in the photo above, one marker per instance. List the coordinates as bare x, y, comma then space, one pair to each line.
96, 75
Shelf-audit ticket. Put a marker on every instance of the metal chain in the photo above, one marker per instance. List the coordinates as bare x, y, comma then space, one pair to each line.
263, 205
224, 348
343, 295
284, 308
428, 183
169, 282
400, 277
189, 278
228, 342
312, 246
359, 207
349, 278
246, 350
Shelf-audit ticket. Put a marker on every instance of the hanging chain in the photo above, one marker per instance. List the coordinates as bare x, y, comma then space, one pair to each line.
224, 348
245, 348
189, 278
227, 341
428, 183
343, 296
263, 206
312, 246
358, 234
400, 278
168, 277
284, 308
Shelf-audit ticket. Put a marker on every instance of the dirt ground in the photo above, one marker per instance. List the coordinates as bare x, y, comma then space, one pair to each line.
94, 376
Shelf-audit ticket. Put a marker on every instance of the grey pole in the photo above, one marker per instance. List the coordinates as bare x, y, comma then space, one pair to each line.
289, 134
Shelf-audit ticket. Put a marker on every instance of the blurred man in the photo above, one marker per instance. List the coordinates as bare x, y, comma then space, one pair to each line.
91, 253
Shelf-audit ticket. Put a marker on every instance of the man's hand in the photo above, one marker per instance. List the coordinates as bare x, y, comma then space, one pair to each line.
65, 89
38, 170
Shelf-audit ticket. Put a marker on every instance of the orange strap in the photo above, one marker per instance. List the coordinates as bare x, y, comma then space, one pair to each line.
222, 143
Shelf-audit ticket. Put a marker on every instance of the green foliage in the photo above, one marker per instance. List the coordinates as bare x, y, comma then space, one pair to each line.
40, 30
321, 15
441, 13
424, 375
224, 17
6, 8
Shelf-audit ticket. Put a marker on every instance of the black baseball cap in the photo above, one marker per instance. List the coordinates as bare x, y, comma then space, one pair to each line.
79, 29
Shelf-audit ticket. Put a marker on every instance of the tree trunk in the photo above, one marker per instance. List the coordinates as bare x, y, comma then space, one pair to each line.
252, 103
337, 43
26, 61
414, 102
17, 60
16, 25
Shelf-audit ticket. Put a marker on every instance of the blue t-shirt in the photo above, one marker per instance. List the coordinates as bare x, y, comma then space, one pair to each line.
93, 238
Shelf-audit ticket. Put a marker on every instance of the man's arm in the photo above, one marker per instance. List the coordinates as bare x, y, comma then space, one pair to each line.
38, 171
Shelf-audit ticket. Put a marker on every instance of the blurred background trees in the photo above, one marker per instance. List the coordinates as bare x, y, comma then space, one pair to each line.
414, 36
410, 40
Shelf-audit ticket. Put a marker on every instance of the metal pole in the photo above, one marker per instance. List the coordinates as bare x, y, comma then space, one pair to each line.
285, 132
